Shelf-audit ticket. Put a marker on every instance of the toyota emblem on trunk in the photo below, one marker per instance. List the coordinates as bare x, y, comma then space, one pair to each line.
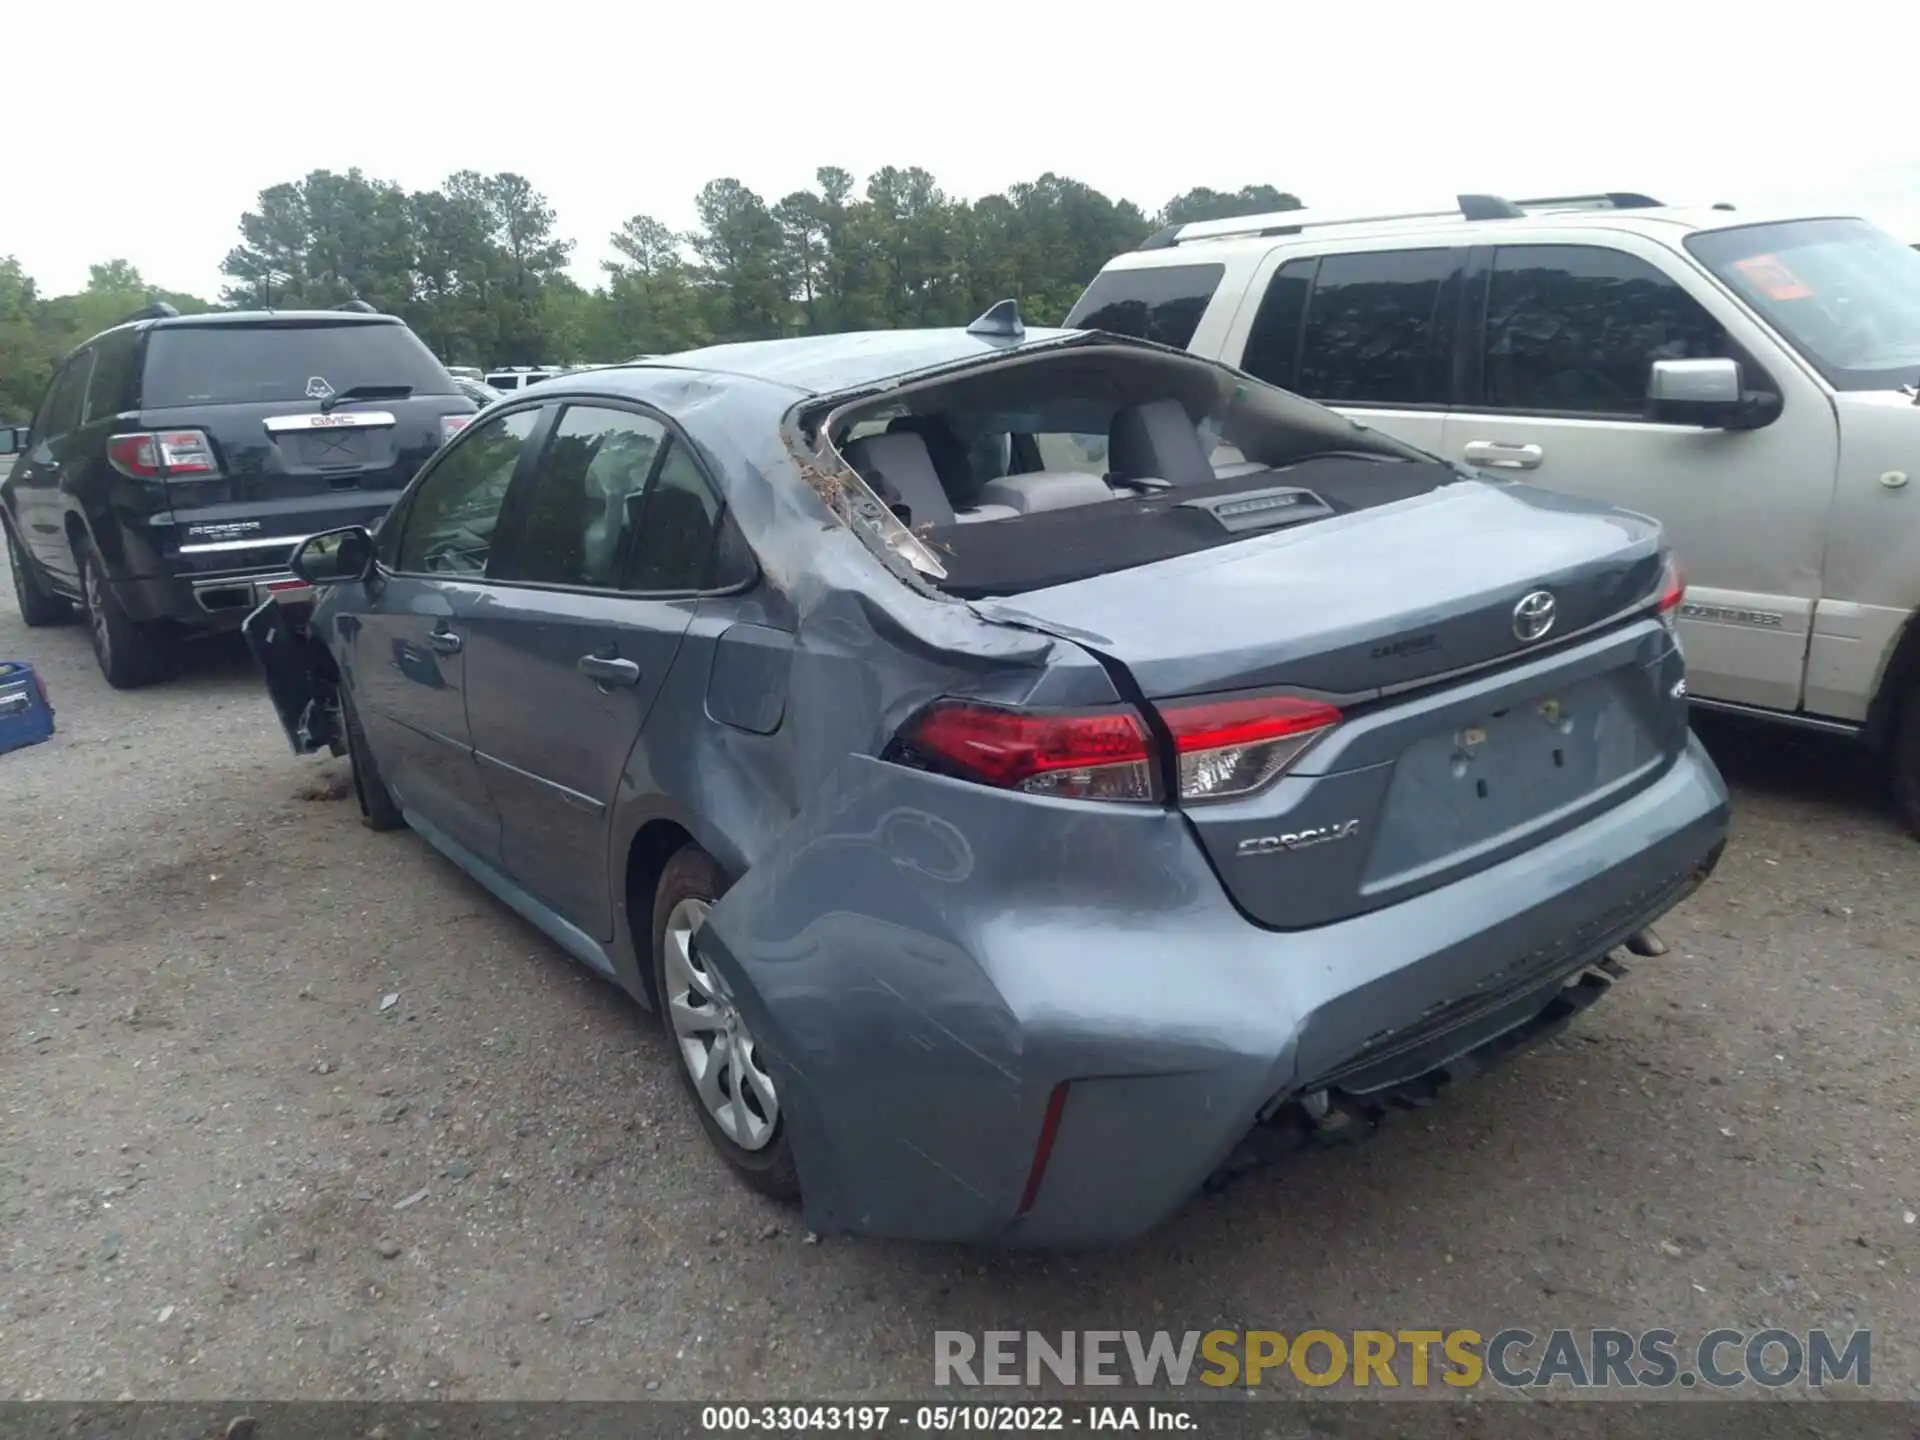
1533, 616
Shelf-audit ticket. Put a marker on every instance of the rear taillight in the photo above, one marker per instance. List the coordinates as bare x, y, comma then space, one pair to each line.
1236, 746
1224, 747
164, 455
1673, 591
452, 425
1071, 755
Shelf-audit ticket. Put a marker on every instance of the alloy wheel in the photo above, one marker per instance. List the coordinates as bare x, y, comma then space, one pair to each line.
715, 1044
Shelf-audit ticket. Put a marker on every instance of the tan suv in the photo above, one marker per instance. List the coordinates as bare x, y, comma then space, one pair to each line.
1748, 380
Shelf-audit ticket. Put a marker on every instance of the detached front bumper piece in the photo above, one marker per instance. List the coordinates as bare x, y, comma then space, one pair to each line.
1046, 1023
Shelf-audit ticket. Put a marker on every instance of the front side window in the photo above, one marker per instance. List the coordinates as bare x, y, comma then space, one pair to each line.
1159, 302
1843, 293
1376, 330
1575, 329
450, 519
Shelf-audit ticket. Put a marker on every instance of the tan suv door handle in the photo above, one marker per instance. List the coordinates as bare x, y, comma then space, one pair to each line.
1504, 457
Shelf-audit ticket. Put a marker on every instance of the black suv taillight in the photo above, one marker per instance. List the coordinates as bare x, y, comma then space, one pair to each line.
1224, 746
164, 455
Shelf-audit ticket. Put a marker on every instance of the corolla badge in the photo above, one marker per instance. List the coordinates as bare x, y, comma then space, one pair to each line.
318, 388
1533, 616
1297, 839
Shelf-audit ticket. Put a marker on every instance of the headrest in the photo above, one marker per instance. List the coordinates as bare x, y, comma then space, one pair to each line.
946, 449
898, 466
1157, 440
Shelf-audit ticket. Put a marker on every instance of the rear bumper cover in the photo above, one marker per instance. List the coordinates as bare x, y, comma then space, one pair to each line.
924, 970
206, 601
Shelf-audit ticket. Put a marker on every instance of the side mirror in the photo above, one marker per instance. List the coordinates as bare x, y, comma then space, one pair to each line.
334, 557
1707, 393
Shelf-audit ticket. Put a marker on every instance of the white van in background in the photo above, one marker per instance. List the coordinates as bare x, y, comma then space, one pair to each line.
1748, 380
518, 377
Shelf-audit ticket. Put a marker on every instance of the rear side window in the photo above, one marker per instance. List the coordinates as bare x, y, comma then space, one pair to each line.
1576, 329
112, 390
276, 363
673, 538
1273, 345
1162, 302
584, 500
60, 411
1377, 329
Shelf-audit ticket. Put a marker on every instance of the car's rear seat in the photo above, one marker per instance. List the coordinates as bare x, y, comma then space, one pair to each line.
1153, 441
899, 468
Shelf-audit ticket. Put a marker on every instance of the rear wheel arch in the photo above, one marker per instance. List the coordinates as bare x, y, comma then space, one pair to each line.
79, 534
84, 521
652, 846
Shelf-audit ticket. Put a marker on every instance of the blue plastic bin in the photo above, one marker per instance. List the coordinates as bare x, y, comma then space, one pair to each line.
26, 715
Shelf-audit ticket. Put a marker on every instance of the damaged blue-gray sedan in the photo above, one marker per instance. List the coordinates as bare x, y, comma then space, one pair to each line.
1030, 775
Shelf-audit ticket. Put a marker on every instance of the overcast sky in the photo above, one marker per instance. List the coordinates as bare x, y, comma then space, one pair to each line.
152, 150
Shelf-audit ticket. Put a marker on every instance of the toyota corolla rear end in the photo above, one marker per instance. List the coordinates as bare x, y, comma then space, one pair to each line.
1286, 829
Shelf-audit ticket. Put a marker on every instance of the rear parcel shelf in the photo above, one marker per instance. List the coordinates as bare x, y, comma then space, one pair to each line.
1056, 547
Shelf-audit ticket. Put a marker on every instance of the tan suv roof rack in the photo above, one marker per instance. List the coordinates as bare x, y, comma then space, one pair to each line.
1466, 207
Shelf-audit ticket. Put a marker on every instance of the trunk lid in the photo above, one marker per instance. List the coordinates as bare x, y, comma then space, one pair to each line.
1362, 602
1461, 742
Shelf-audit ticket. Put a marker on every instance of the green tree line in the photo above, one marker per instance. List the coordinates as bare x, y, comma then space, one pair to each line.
477, 268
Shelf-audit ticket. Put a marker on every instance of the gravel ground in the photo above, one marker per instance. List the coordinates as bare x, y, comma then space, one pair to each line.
225, 1169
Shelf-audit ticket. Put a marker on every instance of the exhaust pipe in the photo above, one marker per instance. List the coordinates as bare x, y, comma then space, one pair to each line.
1646, 944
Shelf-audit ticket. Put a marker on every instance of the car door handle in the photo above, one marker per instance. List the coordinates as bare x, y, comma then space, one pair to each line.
609, 670
1504, 456
445, 641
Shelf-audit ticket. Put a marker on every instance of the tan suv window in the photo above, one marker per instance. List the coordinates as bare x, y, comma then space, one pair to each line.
1574, 329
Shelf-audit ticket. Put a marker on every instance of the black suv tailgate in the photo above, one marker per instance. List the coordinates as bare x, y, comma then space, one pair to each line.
286, 465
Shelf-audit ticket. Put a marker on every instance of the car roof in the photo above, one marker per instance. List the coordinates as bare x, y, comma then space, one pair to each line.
254, 317
821, 364
224, 319
1266, 232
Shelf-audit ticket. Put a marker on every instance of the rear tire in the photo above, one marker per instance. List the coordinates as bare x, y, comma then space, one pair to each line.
130, 654
39, 606
377, 808
1903, 757
712, 1048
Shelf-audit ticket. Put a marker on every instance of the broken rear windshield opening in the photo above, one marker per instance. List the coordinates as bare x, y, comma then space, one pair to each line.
1040, 469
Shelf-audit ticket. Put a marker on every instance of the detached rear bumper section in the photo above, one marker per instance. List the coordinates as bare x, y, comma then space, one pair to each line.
1033, 1025
298, 673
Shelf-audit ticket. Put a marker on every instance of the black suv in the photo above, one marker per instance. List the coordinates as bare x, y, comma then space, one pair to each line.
176, 460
